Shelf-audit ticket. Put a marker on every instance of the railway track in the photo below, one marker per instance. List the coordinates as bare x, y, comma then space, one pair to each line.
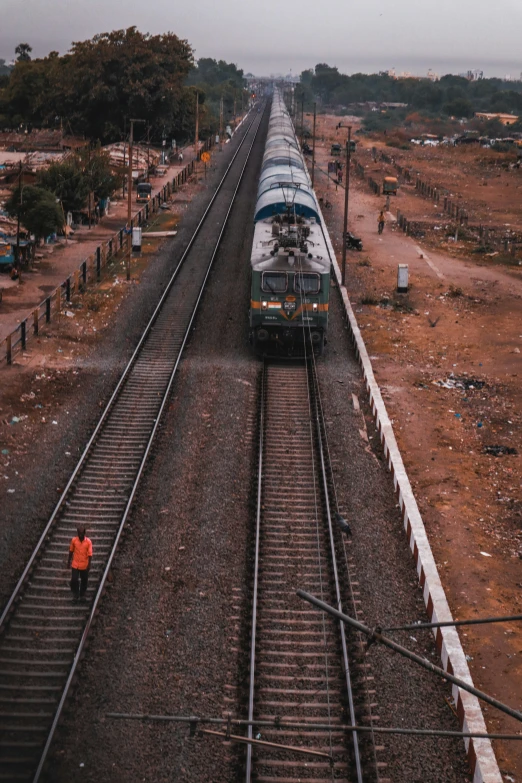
299, 663
42, 632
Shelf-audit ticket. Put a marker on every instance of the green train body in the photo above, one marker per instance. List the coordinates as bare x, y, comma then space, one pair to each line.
290, 288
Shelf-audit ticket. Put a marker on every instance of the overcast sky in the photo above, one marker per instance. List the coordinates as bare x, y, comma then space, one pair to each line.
266, 36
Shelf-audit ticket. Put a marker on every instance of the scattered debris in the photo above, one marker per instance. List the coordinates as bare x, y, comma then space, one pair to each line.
497, 451
453, 382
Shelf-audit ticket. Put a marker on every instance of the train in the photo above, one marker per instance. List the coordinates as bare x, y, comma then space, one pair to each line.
290, 262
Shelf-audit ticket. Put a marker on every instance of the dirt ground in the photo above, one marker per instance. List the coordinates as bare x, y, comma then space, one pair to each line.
478, 179
447, 357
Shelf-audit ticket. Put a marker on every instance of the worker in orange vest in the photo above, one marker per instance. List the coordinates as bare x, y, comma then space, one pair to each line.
80, 556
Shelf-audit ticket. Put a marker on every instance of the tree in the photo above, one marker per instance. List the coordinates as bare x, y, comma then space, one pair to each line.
459, 107
120, 75
96, 165
23, 51
38, 210
67, 182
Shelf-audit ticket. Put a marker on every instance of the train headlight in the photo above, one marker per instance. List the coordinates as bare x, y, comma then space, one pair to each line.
315, 307
264, 305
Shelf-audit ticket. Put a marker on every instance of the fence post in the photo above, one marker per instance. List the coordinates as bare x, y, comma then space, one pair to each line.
48, 309
36, 314
68, 289
8, 349
59, 299
98, 263
84, 272
23, 333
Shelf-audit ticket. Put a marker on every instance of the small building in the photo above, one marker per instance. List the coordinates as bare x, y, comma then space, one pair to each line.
505, 119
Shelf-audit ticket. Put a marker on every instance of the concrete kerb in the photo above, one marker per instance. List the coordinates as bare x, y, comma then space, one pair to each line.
481, 757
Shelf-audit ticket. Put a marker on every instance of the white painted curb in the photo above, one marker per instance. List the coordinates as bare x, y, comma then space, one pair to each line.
480, 753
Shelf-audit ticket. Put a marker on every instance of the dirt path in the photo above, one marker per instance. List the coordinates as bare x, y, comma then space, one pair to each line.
459, 320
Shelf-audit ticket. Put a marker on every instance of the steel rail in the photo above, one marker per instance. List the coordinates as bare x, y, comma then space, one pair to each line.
315, 393
329, 543
145, 454
116, 391
256, 575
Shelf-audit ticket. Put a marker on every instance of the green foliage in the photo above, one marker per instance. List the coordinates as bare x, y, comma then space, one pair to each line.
68, 183
103, 82
38, 210
451, 95
123, 74
216, 80
72, 180
23, 50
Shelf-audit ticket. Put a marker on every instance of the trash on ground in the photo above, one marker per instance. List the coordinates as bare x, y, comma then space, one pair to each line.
497, 451
486, 554
454, 382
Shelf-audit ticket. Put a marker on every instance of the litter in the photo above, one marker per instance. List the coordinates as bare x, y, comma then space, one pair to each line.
5, 451
485, 554
69, 314
453, 382
497, 451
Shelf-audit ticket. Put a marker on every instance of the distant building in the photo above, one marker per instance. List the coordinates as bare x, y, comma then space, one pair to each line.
505, 119
473, 76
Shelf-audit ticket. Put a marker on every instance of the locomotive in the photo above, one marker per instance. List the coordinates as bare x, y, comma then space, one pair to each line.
290, 260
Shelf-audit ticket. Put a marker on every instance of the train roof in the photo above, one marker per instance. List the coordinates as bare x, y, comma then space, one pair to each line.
275, 174
284, 179
277, 200
263, 261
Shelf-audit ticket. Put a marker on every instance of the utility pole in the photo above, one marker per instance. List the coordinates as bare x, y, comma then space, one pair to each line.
196, 138
346, 191
220, 121
148, 153
90, 188
313, 146
302, 119
19, 211
129, 197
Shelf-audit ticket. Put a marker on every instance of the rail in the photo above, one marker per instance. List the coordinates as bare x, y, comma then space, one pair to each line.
102, 489
267, 560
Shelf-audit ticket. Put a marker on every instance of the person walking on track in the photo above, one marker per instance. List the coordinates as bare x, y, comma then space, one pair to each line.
381, 220
80, 555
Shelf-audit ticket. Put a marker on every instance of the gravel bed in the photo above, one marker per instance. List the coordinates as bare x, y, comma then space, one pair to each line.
169, 634
172, 609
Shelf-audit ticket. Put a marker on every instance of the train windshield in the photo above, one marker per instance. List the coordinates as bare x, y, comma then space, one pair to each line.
144, 189
274, 282
306, 283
